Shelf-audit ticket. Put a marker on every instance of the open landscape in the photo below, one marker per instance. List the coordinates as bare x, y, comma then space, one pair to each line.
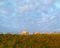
29, 40
29, 23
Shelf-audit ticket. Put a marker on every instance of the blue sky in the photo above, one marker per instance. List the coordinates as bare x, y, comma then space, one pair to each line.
30, 15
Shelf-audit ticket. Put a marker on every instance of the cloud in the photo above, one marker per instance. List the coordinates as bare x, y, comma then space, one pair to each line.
47, 20
2, 3
28, 7
50, 25
57, 5
29, 14
3, 11
48, 1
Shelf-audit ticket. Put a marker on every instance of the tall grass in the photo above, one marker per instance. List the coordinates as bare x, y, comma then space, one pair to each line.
30, 41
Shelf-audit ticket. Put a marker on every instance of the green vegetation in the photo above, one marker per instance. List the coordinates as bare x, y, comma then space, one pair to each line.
30, 41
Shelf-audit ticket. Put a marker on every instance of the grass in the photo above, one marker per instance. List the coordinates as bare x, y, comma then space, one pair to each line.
30, 41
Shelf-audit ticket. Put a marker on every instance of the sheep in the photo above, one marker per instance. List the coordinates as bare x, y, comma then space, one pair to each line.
25, 33
36, 33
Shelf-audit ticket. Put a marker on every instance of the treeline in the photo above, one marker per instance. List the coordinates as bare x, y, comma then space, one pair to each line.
30, 41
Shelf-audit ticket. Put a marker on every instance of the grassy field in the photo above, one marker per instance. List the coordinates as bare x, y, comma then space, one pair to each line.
30, 41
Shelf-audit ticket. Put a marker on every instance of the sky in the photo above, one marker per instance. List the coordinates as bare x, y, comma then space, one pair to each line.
29, 15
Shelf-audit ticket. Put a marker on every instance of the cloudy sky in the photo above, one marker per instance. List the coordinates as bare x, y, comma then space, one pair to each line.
30, 15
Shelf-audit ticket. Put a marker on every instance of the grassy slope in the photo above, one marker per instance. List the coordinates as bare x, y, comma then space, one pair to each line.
30, 41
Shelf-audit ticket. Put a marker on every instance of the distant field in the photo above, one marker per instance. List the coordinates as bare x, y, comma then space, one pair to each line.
30, 41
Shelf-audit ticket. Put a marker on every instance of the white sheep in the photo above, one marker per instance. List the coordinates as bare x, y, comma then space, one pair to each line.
25, 33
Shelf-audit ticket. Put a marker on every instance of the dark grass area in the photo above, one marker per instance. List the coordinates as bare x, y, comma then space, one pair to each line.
30, 41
